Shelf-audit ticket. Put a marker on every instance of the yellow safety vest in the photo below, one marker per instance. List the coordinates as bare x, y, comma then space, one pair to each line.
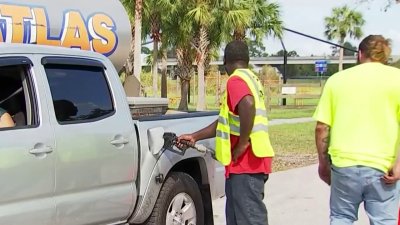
228, 123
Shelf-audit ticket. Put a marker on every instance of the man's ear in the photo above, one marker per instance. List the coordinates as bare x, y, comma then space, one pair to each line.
359, 56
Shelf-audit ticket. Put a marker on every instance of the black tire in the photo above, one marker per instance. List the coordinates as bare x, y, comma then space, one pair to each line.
176, 184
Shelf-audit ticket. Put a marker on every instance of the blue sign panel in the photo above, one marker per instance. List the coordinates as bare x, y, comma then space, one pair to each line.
321, 66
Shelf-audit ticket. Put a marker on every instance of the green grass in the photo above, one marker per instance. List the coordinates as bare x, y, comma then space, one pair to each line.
294, 145
290, 113
211, 104
273, 114
291, 101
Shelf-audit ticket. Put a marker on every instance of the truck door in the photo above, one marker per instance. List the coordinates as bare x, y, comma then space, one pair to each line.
96, 143
27, 149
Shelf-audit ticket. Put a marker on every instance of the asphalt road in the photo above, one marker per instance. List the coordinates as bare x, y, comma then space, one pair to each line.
293, 197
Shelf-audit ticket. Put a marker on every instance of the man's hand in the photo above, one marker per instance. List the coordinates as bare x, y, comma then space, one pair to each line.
238, 151
191, 139
393, 175
188, 138
324, 172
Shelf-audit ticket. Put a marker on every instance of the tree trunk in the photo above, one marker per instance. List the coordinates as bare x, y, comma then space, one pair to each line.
202, 52
164, 85
201, 99
239, 35
138, 39
201, 45
341, 52
129, 62
184, 71
183, 104
155, 68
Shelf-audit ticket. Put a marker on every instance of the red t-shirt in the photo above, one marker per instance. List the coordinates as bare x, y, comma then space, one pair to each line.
247, 162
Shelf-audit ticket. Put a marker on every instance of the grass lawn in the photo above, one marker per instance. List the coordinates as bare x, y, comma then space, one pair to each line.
280, 113
294, 145
290, 113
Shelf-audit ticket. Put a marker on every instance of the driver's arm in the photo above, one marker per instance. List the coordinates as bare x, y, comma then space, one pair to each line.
5, 119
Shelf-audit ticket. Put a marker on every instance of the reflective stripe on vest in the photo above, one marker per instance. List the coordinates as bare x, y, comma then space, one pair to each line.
229, 123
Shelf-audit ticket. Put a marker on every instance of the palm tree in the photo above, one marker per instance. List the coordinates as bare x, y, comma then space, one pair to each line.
234, 16
266, 20
203, 18
178, 33
137, 68
213, 16
258, 17
343, 23
155, 12
213, 20
164, 84
129, 7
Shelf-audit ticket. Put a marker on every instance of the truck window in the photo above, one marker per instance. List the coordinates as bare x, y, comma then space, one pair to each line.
80, 93
16, 92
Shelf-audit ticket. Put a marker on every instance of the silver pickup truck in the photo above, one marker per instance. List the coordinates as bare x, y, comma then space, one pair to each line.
77, 157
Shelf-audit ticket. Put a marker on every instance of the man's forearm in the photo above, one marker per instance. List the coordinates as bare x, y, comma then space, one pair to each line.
247, 112
207, 132
322, 138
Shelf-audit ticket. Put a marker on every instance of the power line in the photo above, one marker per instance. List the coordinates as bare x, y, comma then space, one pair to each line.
319, 39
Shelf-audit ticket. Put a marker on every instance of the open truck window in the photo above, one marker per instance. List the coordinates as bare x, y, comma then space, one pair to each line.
16, 91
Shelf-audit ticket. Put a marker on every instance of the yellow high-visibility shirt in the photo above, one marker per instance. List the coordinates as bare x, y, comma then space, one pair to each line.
362, 107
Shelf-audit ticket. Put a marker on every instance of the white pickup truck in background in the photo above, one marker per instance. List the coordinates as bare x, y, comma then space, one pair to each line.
76, 155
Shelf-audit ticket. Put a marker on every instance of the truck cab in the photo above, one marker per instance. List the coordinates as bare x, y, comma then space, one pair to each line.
81, 151
76, 156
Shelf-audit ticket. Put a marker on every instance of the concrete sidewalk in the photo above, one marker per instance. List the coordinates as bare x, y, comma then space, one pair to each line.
293, 197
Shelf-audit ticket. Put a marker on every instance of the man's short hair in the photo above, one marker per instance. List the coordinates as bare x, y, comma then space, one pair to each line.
236, 51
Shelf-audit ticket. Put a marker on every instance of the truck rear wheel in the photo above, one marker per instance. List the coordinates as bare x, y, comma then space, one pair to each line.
179, 202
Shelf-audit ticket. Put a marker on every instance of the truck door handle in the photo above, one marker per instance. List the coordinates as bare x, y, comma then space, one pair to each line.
119, 141
40, 149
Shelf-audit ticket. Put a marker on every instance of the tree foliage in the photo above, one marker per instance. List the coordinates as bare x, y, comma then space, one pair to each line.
396, 64
289, 53
347, 52
196, 29
256, 49
342, 24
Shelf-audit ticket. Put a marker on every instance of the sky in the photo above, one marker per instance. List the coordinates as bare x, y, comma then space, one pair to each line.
307, 16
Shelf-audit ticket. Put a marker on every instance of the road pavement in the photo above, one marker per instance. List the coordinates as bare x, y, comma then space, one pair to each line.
293, 197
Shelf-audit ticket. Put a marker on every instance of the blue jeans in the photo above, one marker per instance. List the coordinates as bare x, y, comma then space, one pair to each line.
244, 199
352, 185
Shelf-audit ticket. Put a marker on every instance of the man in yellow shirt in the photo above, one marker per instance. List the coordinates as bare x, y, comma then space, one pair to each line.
357, 137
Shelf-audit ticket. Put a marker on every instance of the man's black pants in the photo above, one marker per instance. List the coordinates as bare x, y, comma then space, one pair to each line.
244, 199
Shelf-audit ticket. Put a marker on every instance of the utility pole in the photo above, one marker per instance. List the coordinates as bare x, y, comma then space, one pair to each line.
284, 67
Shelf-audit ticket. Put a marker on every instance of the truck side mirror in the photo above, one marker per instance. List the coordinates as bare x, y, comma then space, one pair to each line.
155, 139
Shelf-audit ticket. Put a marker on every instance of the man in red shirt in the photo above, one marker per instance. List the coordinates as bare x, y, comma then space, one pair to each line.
246, 174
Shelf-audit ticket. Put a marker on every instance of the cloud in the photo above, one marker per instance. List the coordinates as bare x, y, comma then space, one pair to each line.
394, 35
308, 16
